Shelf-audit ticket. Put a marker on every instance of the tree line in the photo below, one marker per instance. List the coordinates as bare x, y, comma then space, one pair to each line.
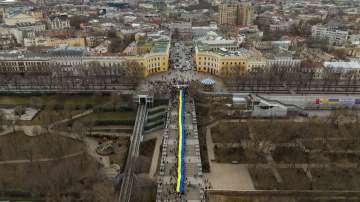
80, 76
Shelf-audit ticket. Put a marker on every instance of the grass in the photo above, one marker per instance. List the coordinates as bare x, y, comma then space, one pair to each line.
224, 198
55, 176
18, 146
121, 148
113, 127
112, 116
294, 179
272, 198
236, 154
15, 100
147, 149
226, 132
336, 179
263, 178
289, 155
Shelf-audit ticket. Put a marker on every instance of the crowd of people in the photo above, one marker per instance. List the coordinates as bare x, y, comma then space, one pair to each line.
170, 162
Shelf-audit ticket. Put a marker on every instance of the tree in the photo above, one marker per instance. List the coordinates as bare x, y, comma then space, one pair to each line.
2, 119
79, 128
340, 53
90, 124
134, 69
19, 111
271, 36
77, 20
36, 102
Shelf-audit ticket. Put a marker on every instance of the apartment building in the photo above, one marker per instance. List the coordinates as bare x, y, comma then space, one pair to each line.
334, 36
235, 13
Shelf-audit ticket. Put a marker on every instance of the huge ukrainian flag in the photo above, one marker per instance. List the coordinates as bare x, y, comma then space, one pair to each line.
180, 170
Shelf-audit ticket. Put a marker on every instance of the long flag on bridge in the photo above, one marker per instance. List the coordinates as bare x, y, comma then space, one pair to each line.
180, 170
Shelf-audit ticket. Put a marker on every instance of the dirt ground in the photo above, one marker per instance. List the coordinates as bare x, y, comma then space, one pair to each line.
230, 177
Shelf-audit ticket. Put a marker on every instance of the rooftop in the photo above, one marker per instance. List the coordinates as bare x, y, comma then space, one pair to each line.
224, 52
160, 46
343, 65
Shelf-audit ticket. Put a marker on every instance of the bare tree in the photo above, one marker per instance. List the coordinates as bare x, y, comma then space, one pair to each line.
79, 128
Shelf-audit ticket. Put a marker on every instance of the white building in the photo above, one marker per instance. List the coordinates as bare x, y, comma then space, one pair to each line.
281, 26
184, 29
283, 62
198, 32
26, 30
341, 66
354, 39
337, 37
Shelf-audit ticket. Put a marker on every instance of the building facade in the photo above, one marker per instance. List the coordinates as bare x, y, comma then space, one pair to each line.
334, 36
154, 61
7, 40
53, 42
226, 63
58, 22
183, 29
235, 13
26, 30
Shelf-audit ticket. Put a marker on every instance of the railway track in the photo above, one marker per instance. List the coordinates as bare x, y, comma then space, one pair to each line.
128, 179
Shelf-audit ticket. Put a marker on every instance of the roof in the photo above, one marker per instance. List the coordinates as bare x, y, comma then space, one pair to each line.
160, 46
64, 50
27, 24
208, 81
343, 65
241, 52
60, 17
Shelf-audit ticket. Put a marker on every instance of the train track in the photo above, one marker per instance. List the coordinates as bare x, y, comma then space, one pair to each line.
275, 88
128, 179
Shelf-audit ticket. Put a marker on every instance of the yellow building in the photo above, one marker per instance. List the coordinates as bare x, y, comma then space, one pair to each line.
225, 63
69, 42
53, 42
37, 14
156, 60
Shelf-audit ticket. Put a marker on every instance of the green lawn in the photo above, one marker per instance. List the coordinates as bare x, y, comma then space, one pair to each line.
18, 146
112, 116
19, 100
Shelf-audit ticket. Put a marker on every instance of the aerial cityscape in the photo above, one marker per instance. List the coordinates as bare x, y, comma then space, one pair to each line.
180, 100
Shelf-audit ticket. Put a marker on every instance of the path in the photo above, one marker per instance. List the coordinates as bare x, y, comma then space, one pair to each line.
222, 175
85, 113
28, 130
155, 159
40, 160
